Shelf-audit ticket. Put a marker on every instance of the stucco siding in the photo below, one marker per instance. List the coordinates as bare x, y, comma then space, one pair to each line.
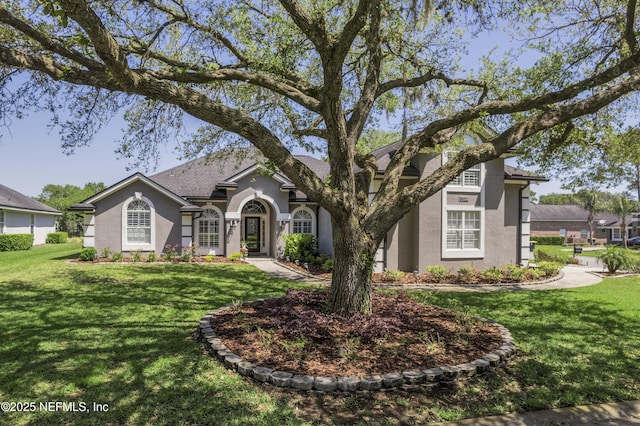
108, 218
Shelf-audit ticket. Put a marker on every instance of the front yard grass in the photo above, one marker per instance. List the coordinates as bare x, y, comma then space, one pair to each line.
121, 335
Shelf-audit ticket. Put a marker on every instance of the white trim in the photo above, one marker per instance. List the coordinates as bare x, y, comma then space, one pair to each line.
464, 253
17, 209
131, 179
221, 231
277, 176
314, 219
151, 246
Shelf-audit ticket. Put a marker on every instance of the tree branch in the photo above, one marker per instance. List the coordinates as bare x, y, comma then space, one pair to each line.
105, 45
387, 209
314, 29
238, 75
629, 29
46, 42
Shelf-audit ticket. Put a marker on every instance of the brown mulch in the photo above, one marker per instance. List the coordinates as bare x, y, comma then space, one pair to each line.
293, 334
197, 259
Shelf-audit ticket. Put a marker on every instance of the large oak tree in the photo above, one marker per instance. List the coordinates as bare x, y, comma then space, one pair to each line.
317, 73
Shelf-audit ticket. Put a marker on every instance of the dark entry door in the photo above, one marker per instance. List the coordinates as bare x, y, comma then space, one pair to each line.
252, 233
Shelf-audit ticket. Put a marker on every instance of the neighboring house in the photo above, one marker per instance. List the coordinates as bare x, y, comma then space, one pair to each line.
20, 214
481, 218
570, 221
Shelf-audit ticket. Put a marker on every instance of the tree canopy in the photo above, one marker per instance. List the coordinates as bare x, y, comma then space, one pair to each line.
316, 74
61, 197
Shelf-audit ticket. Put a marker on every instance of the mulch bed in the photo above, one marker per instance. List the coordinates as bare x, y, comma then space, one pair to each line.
198, 259
292, 333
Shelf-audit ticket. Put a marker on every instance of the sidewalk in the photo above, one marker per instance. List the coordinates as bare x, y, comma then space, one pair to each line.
619, 413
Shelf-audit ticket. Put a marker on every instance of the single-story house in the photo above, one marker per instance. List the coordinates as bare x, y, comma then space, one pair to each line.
570, 221
20, 214
481, 218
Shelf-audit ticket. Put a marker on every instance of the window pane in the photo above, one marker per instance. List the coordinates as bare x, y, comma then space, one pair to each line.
454, 239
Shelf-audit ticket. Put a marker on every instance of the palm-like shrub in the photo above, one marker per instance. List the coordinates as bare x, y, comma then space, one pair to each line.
615, 258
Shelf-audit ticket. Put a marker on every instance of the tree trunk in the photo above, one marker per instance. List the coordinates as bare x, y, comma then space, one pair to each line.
354, 257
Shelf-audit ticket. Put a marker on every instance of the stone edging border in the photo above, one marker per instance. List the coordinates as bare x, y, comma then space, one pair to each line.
432, 285
406, 380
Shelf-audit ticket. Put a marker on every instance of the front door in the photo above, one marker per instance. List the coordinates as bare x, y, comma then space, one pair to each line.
252, 233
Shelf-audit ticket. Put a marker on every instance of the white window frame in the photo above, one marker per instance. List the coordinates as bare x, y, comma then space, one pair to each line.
220, 227
460, 253
459, 182
313, 220
126, 245
3, 219
616, 234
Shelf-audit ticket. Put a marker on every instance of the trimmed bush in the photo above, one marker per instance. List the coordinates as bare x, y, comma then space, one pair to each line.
88, 254
57, 238
548, 240
301, 247
15, 242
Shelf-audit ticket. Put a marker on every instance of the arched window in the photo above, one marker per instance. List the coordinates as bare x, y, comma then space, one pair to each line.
254, 207
303, 221
138, 222
209, 229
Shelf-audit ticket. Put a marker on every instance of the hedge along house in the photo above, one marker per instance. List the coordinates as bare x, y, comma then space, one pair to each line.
481, 218
20, 214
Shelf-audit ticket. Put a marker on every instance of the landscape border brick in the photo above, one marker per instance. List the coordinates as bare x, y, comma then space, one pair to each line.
412, 379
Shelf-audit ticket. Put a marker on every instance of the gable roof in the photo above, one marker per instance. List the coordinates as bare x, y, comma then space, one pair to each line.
13, 200
88, 203
206, 177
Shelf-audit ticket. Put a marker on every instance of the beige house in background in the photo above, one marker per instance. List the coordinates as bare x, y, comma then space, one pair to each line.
482, 218
20, 214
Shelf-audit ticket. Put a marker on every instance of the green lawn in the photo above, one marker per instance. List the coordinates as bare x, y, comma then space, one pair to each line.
121, 335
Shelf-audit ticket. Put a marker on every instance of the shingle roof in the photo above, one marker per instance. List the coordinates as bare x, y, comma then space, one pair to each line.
12, 199
569, 213
511, 172
198, 178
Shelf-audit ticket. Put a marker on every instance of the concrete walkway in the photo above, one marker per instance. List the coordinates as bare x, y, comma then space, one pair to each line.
619, 414
573, 276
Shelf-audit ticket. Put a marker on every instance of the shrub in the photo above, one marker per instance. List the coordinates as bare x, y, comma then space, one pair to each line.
468, 272
235, 256
327, 266
152, 257
57, 238
514, 273
106, 252
209, 258
136, 256
549, 240
438, 272
88, 254
187, 254
392, 275
301, 247
15, 242
615, 258
117, 257
169, 253
550, 269
550, 254
492, 275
